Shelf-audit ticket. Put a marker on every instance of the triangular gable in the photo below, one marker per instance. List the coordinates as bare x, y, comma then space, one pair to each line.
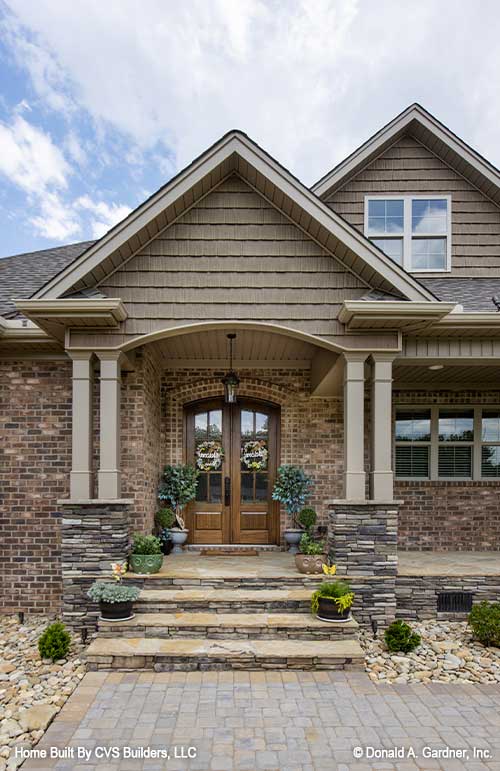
427, 130
236, 153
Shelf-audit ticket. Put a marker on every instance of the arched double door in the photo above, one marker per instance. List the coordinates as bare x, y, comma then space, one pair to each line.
235, 447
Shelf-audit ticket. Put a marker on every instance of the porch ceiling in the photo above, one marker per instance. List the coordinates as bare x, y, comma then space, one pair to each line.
251, 348
453, 375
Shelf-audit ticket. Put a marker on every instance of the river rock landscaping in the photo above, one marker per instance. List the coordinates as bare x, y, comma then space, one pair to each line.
447, 654
32, 690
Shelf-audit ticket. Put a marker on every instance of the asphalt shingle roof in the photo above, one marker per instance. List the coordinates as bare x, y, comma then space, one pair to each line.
473, 293
23, 274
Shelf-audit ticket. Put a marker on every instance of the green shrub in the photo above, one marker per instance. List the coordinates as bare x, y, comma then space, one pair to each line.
400, 637
307, 519
55, 642
309, 546
105, 591
292, 489
338, 591
178, 487
484, 620
146, 544
164, 519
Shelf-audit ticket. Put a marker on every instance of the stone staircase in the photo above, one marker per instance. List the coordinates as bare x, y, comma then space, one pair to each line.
217, 621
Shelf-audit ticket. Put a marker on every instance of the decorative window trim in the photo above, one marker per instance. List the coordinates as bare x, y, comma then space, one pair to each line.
407, 234
476, 444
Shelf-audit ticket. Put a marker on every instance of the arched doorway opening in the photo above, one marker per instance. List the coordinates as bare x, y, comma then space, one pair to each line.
233, 503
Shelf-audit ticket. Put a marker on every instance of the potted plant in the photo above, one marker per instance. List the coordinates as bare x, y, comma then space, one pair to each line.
115, 599
292, 489
146, 555
178, 487
312, 556
164, 520
332, 601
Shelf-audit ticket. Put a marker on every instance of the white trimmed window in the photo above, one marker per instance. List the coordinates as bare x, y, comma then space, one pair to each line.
414, 231
447, 443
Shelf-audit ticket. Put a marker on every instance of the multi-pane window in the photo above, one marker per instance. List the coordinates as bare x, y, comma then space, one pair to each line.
413, 443
456, 437
447, 443
414, 231
490, 443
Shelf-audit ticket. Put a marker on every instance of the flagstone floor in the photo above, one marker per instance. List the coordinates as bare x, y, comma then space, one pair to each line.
271, 721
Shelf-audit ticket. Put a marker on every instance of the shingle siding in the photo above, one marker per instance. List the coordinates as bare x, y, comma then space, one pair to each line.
408, 167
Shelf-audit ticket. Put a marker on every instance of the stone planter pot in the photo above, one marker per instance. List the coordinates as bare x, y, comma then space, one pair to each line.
178, 538
310, 563
116, 611
292, 539
145, 563
327, 611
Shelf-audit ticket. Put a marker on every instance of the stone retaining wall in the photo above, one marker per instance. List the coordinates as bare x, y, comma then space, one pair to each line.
92, 537
416, 596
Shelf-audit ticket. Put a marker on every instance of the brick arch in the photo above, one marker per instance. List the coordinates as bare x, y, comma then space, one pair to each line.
252, 387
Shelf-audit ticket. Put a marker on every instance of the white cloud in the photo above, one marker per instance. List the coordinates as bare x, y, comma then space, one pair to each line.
104, 215
57, 221
30, 159
308, 80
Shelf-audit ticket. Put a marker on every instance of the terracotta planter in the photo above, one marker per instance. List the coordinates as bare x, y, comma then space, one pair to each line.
310, 563
292, 539
116, 611
145, 563
327, 611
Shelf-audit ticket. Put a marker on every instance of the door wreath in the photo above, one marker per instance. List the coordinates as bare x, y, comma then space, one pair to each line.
209, 456
254, 455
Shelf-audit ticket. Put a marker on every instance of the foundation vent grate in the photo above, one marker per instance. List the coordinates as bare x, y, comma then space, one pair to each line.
454, 602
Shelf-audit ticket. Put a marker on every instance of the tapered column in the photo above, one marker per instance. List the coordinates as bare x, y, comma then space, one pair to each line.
382, 478
81, 483
354, 430
109, 476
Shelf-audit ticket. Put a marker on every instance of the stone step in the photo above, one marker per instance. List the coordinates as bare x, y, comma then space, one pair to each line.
229, 626
224, 600
231, 547
247, 583
198, 654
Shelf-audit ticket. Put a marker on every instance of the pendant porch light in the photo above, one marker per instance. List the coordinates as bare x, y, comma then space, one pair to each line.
230, 380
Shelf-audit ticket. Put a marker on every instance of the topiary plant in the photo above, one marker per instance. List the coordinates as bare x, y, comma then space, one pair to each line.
484, 620
307, 519
400, 637
292, 488
165, 518
178, 487
55, 642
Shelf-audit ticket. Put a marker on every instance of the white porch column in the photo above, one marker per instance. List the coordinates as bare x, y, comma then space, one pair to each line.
354, 429
109, 476
81, 485
382, 478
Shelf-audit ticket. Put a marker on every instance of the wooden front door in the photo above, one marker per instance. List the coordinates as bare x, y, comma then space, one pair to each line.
233, 503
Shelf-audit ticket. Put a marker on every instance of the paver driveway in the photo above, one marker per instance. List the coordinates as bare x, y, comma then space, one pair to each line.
257, 721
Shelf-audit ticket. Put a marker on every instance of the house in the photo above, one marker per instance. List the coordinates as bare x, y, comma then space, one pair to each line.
365, 339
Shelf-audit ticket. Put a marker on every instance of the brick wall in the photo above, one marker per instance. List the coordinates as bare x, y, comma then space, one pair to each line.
35, 461
448, 516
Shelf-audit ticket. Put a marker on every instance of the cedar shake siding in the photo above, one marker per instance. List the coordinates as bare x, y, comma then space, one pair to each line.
408, 167
233, 256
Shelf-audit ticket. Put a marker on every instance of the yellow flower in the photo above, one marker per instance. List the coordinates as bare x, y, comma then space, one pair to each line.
329, 570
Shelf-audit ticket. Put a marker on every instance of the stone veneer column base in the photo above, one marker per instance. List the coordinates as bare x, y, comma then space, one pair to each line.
93, 535
362, 543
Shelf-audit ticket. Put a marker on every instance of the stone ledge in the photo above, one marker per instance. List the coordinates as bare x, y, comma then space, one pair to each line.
95, 502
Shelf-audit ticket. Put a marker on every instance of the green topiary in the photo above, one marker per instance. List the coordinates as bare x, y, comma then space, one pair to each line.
178, 487
307, 519
292, 488
400, 637
484, 619
146, 544
164, 518
55, 642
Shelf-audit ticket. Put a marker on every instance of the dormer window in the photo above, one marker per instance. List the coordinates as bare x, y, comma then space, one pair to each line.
414, 231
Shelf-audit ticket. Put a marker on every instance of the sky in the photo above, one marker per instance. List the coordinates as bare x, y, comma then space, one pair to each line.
102, 102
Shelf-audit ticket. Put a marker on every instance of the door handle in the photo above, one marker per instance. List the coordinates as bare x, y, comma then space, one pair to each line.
227, 491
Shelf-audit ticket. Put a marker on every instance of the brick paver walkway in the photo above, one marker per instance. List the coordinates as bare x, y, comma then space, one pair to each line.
257, 721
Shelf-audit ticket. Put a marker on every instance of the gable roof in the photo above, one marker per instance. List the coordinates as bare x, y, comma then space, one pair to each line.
235, 153
429, 131
23, 274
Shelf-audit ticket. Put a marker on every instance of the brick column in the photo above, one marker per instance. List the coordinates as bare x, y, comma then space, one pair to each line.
362, 540
92, 537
